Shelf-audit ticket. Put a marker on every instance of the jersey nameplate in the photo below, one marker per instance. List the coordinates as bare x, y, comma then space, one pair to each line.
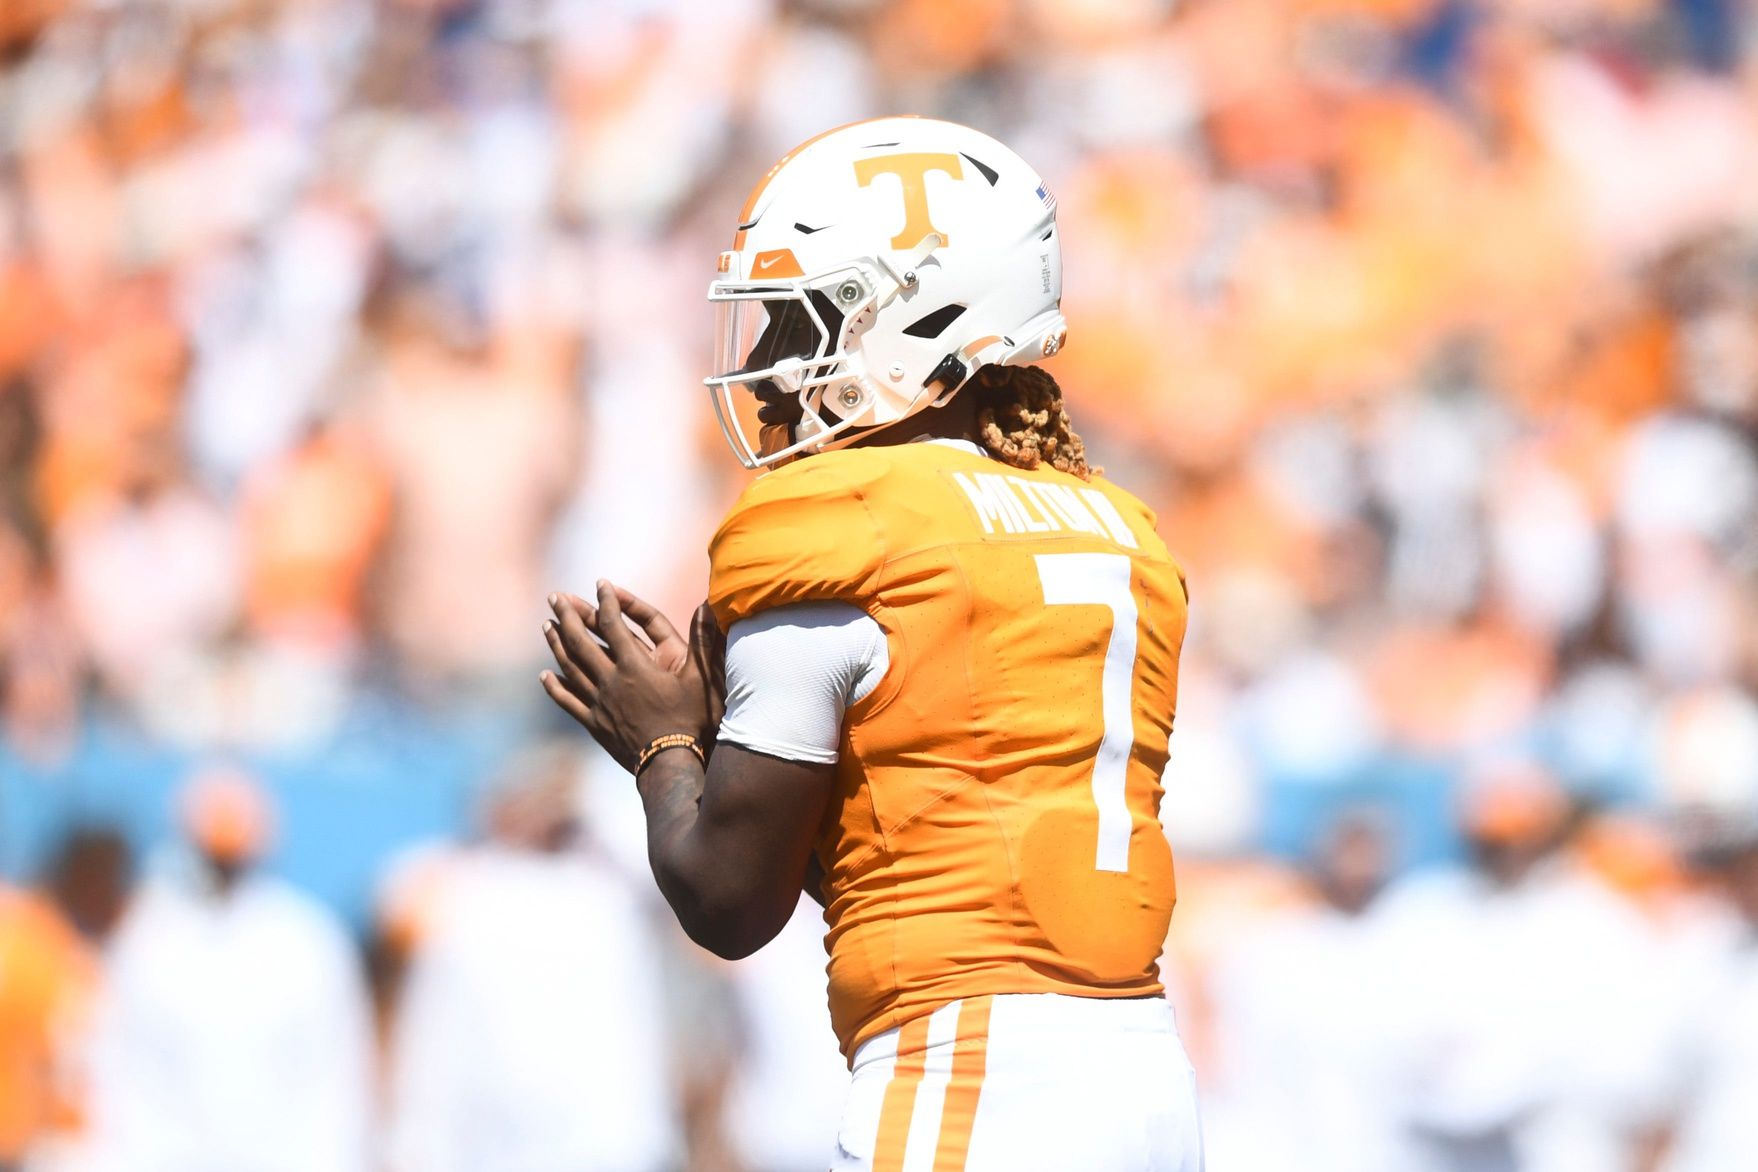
1008, 504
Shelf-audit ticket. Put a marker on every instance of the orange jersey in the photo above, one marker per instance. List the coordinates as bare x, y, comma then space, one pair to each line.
995, 826
45, 976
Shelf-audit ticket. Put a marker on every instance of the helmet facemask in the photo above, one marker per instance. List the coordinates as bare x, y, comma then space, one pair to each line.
798, 338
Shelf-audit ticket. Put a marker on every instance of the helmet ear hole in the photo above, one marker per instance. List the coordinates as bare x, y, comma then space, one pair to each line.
934, 324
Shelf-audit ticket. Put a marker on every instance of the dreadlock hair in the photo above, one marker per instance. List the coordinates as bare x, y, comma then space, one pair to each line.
1021, 420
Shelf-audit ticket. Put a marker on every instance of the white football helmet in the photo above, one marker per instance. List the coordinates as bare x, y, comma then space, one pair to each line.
875, 268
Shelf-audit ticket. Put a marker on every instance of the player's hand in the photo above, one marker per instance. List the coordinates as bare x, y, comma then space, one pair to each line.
626, 674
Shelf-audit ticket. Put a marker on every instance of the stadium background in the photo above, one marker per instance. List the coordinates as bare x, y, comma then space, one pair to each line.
334, 334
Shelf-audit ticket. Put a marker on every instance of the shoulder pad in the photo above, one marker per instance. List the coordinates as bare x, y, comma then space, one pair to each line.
801, 533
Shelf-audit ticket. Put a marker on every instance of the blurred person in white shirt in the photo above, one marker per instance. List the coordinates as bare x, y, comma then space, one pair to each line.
1707, 768
531, 1035
232, 1032
1521, 992
176, 549
1716, 1054
787, 1090
1303, 1053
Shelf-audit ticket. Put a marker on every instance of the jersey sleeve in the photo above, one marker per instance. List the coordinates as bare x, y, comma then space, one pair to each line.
803, 533
791, 673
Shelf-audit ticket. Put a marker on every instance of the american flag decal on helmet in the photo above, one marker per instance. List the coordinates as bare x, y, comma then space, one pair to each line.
1044, 194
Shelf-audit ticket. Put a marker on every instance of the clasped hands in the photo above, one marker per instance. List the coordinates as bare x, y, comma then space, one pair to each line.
627, 676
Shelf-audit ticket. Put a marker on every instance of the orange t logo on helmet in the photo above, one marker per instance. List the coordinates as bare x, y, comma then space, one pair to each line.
911, 171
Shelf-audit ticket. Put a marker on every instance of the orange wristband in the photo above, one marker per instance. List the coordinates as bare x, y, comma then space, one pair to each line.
659, 745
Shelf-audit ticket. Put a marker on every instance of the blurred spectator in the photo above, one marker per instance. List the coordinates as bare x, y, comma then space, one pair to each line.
232, 1033
149, 574
789, 1081
1521, 995
87, 883
89, 880
531, 1035
45, 978
1717, 1059
313, 522
465, 553
411, 892
1305, 1074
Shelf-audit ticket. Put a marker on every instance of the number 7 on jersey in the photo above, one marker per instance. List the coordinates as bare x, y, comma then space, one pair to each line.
1102, 579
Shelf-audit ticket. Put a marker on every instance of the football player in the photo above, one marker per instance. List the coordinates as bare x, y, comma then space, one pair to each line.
949, 664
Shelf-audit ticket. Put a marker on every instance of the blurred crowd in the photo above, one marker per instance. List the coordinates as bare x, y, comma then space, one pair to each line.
520, 1003
335, 333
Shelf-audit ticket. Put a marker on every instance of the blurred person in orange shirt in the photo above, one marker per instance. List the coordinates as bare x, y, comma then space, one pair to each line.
45, 977
84, 894
312, 523
232, 1032
39, 685
40, 659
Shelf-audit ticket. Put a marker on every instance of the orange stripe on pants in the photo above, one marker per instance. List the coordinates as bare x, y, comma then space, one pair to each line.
969, 1058
900, 1097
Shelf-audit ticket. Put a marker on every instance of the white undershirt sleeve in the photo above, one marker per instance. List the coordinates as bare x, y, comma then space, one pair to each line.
791, 674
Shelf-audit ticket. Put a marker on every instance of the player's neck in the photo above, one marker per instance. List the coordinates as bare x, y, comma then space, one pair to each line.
955, 420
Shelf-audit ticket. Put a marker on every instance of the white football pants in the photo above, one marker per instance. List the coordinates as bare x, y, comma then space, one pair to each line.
1024, 1083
